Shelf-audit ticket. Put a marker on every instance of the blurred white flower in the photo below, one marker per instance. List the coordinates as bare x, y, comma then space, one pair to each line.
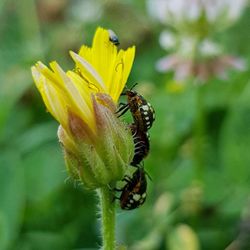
193, 22
171, 11
207, 48
185, 45
87, 10
167, 40
228, 9
185, 68
180, 13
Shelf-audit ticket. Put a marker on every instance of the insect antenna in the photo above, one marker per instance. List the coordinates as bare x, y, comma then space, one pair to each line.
129, 89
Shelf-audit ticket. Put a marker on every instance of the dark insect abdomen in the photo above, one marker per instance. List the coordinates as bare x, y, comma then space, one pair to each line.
134, 192
141, 143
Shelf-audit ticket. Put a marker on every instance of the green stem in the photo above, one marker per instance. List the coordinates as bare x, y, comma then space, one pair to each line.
107, 207
199, 135
199, 132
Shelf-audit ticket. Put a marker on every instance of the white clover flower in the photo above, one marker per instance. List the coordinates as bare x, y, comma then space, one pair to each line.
167, 40
192, 23
207, 48
169, 11
180, 13
228, 9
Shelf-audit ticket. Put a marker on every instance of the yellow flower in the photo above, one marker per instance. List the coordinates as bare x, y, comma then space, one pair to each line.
97, 145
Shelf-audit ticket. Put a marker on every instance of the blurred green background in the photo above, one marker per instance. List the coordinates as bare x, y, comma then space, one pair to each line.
199, 196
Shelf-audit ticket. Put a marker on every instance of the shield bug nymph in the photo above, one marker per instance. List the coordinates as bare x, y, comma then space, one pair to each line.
134, 192
141, 110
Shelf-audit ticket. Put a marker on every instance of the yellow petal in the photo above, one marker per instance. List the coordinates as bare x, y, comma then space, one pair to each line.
78, 101
121, 72
90, 75
112, 67
104, 55
100, 69
86, 53
44, 70
54, 102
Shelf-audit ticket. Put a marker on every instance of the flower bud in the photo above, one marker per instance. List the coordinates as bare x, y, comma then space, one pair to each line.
100, 159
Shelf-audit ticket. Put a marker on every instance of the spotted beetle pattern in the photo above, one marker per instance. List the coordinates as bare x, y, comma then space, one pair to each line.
147, 114
141, 110
134, 192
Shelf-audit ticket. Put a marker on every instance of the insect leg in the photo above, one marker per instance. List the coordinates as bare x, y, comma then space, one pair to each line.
122, 106
126, 178
124, 110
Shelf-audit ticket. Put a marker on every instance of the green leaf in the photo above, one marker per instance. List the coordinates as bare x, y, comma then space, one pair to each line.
37, 136
174, 115
44, 170
236, 141
12, 196
13, 85
4, 231
43, 240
